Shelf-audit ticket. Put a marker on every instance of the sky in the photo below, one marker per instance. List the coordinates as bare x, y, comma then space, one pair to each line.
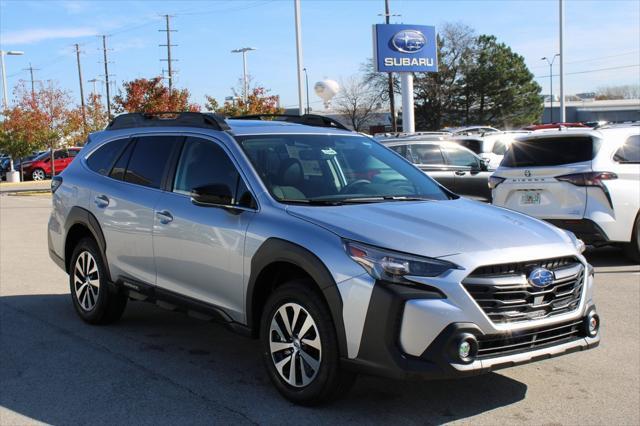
602, 39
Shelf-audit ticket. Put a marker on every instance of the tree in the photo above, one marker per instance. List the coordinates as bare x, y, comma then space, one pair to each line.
20, 136
151, 95
358, 101
627, 91
500, 89
258, 102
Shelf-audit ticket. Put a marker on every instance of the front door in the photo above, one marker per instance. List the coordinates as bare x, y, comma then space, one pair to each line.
199, 249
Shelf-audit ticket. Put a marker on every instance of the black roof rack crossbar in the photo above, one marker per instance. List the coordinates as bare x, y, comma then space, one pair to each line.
166, 119
306, 119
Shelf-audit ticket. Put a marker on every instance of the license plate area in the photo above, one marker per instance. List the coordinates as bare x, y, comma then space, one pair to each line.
530, 198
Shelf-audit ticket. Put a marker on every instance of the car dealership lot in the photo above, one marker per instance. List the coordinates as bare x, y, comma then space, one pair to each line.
157, 366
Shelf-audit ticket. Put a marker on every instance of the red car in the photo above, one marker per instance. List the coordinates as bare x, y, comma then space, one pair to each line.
552, 126
40, 167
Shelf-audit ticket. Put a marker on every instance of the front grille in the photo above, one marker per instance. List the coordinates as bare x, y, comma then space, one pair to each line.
498, 345
503, 293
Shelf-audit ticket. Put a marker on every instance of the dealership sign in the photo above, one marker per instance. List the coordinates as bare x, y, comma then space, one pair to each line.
405, 48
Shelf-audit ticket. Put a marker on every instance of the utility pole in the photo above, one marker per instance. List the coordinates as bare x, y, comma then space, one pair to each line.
94, 81
562, 109
296, 7
168, 30
84, 115
31, 69
392, 100
106, 75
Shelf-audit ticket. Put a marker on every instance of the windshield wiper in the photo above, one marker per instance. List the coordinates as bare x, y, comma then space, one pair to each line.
312, 202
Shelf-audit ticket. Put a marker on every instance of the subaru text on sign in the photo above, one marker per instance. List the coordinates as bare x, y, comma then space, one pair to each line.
405, 48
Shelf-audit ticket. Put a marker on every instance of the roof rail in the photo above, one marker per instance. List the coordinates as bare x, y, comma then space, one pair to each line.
169, 119
306, 119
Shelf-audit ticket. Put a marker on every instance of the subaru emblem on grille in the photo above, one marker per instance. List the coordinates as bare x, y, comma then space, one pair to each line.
541, 277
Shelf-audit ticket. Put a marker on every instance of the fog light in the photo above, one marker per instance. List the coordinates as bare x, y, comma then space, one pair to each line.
464, 350
592, 322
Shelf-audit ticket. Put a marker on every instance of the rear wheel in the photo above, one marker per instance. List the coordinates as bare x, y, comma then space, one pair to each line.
92, 299
300, 346
38, 174
632, 249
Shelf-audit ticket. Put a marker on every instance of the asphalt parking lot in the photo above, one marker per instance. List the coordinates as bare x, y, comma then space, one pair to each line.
160, 367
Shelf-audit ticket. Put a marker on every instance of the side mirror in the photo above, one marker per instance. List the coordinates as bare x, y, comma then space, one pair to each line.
484, 164
212, 195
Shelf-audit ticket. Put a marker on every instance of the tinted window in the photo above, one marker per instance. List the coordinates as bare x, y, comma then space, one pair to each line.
460, 157
500, 147
149, 160
204, 163
102, 159
73, 152
120, 167
402, 150
472, 144
549, 152
60, 154
427, 154
630, 151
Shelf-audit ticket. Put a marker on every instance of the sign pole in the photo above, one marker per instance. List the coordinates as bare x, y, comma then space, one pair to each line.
408, 120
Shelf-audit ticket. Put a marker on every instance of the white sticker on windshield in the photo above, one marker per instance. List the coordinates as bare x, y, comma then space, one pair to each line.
329, 151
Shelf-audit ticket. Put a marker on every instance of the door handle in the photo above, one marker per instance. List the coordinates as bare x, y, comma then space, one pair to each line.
460, 173
102, 201
164, 217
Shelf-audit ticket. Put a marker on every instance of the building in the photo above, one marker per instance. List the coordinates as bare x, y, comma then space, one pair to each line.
592, 110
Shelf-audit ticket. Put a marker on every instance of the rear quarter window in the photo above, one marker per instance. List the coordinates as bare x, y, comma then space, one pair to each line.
550, 152
629, 152
103, 158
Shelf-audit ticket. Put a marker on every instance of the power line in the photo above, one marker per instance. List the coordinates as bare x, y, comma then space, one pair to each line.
595, 59
590, 71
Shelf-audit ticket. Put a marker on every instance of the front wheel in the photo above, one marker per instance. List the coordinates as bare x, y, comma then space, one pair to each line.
300, 346
38, 174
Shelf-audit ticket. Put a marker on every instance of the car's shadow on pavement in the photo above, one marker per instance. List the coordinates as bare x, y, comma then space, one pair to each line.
603, 257
160, 367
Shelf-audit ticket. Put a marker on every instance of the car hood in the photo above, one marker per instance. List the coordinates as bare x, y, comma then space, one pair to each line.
432, 228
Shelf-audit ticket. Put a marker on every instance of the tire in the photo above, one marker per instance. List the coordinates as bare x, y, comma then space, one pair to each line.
632, 249
317, 377
38, 174
92, 299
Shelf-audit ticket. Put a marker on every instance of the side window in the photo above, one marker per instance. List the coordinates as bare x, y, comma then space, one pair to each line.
460, 157
58, 155
402, 150
101, 160
73, 152
427, 154
630, 151
499, 148
203, 163
120, 167
149, 160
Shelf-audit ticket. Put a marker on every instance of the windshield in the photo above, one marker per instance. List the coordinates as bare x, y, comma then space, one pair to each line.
321, 169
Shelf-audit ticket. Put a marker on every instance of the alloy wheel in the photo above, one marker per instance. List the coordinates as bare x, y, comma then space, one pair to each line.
295, 345
38, 175
86, 280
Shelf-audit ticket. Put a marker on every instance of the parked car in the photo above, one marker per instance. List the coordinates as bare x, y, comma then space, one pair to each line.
338, 254
550, 126
492, 146
453, 166
583, 180
5, 164
471, 130
39, 168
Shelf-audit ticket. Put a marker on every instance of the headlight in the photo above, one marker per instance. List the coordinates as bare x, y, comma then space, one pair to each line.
577, 242
393, 266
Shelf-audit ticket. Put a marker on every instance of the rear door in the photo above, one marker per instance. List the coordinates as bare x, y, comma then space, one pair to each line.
470, 177
531, 169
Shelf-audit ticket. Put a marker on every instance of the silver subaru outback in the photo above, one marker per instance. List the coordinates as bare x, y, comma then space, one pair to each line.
334, 251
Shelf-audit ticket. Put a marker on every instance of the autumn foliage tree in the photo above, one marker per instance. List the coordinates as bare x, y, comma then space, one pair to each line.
258, 102
151, 95
43, 118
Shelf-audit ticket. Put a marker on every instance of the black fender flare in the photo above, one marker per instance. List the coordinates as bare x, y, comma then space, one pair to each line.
80, 216
278, 250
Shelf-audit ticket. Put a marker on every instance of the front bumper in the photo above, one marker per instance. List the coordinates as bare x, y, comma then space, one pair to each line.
395, 310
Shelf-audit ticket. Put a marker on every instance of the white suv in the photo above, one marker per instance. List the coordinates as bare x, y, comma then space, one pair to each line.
585, 181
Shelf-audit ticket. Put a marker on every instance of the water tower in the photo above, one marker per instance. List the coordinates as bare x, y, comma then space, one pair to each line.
326, 90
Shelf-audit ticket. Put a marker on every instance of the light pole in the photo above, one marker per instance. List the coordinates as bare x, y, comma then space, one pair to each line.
296, 15
5, 99
306, 79
550, 62
244, 51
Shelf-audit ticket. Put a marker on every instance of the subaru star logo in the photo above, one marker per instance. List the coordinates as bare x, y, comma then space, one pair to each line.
527, 173
408, 41
541, 277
